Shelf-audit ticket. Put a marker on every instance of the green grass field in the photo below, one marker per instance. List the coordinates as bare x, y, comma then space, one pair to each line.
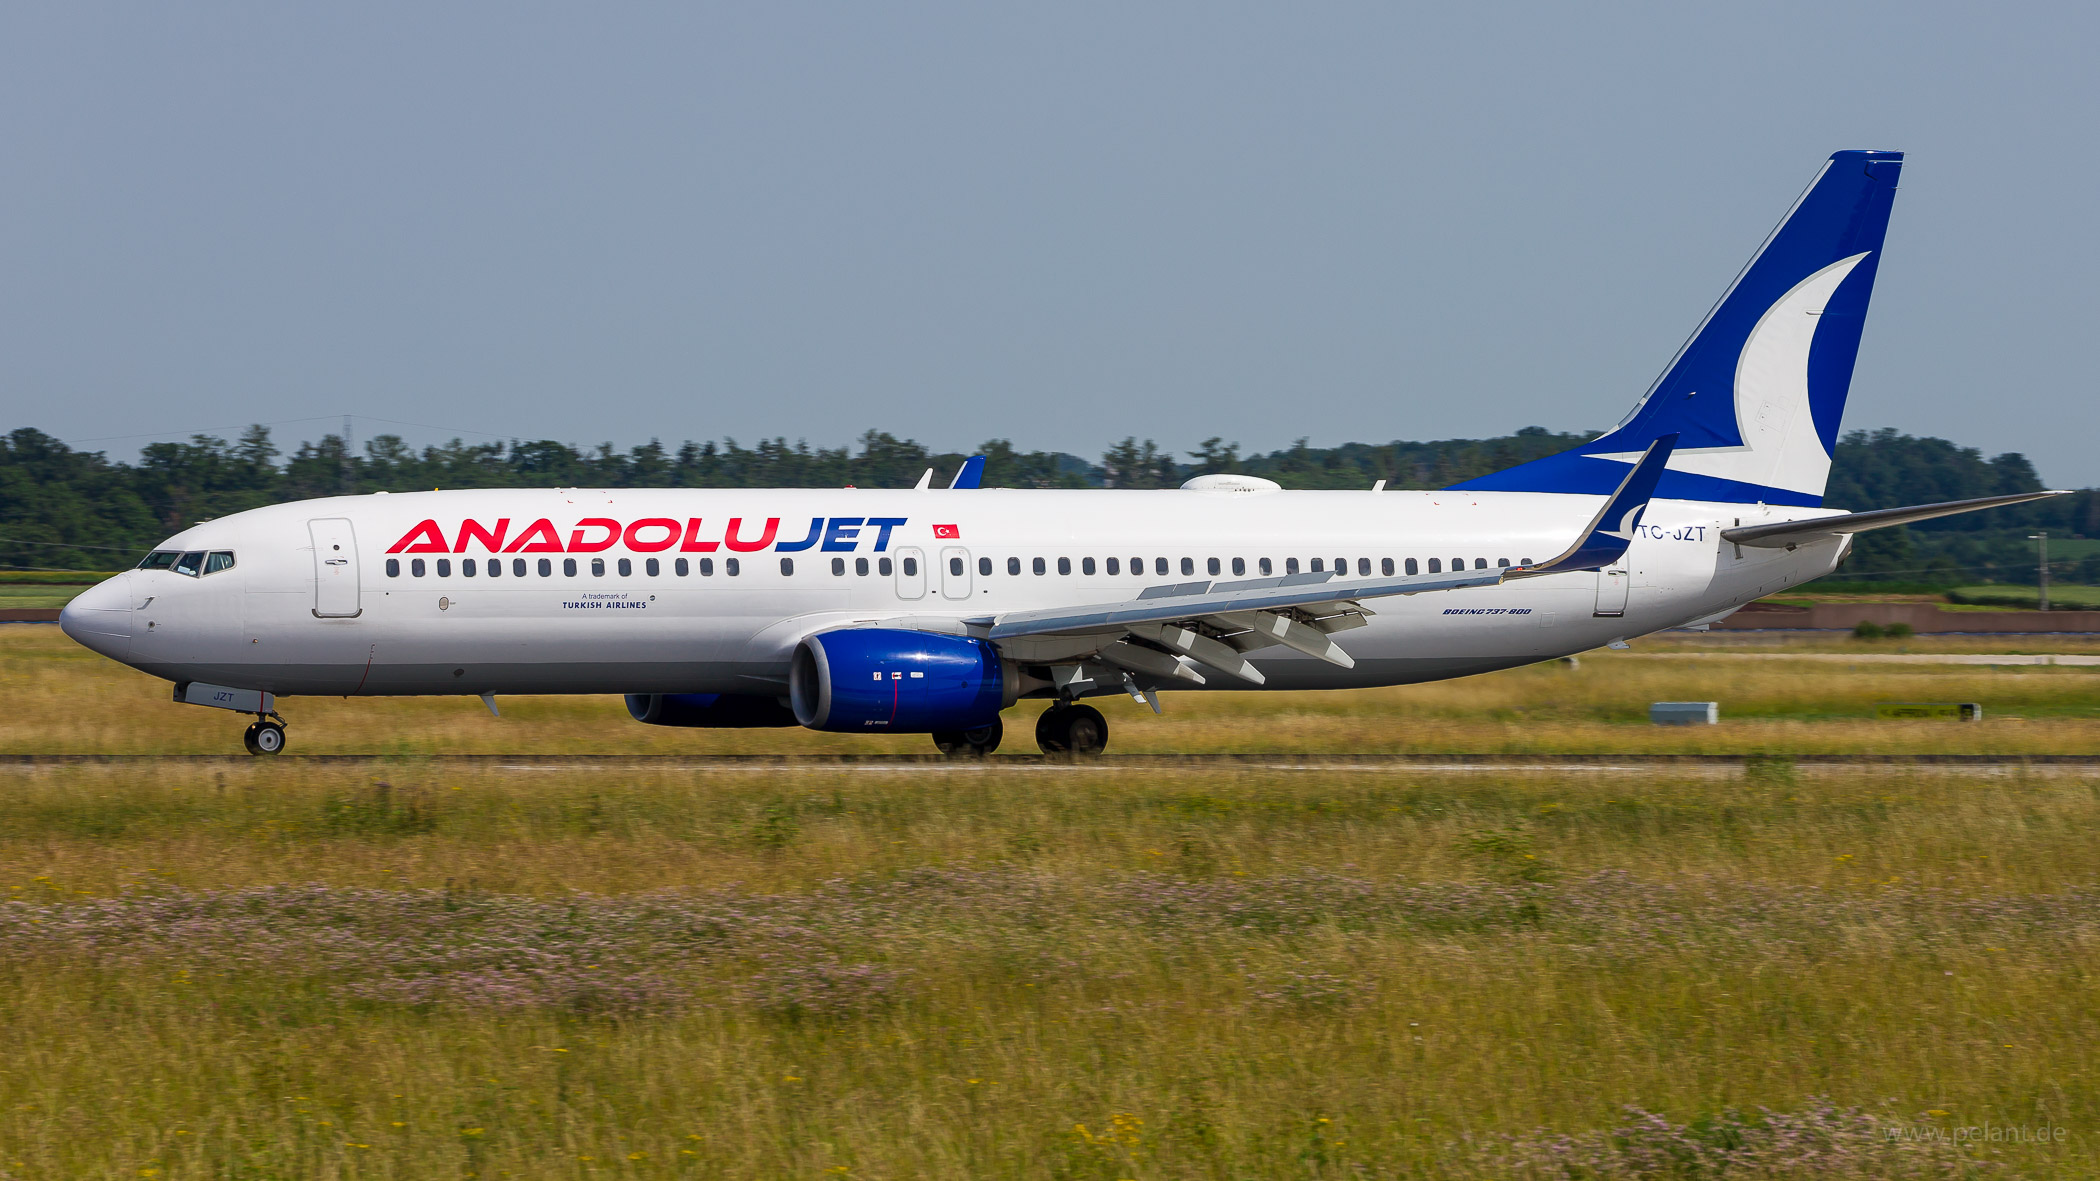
2062, 596
37, 596
415, 968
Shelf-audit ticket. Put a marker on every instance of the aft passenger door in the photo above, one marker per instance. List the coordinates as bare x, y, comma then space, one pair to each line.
335, 568
911, 574
955, 572
1611, 592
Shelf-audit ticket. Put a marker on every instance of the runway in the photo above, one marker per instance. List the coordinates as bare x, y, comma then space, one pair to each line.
1718, 764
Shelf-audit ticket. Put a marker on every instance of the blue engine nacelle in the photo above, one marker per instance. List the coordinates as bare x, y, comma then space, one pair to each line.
715, 711
877, 679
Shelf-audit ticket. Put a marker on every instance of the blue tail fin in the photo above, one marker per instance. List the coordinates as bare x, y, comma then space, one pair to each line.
1756, 395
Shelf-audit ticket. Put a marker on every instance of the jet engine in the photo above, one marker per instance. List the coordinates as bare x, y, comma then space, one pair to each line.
865, 680
716, 711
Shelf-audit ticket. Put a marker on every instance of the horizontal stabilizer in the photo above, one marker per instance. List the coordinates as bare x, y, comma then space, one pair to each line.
1789, 533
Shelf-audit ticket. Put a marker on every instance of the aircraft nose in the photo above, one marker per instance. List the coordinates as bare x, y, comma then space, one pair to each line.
99, 618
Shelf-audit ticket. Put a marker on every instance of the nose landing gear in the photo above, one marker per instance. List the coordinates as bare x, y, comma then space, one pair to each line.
264, 737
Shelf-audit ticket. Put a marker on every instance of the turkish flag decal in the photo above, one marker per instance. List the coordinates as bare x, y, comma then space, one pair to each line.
947, 531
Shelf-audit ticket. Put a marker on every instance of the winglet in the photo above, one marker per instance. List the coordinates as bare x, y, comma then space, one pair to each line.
1611, 530
970, 474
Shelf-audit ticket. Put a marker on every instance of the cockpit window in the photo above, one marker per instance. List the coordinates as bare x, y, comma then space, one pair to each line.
218, 560
190, 564
160, 559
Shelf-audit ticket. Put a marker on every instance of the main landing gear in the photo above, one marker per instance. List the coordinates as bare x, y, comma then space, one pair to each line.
1071, 729
978, 742
264, 736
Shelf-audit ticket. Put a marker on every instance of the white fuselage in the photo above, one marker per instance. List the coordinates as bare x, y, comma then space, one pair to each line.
309, 606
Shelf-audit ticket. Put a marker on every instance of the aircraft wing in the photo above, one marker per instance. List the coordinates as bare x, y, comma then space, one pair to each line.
1787, 534
1173, 630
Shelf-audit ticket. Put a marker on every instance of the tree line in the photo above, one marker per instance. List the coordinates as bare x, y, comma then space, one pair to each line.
62, 508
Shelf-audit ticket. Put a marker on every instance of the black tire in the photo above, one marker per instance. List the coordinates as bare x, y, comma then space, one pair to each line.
1050, 731
985, 739
1072, 729
980, 741
1086, 731
248, 738
268, 738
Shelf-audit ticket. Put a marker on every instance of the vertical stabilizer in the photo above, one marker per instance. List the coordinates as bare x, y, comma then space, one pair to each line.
1757, 394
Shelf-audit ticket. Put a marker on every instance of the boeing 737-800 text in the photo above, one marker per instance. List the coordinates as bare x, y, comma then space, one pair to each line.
932, 610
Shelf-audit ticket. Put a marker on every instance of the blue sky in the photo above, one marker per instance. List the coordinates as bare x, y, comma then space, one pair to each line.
1061, 225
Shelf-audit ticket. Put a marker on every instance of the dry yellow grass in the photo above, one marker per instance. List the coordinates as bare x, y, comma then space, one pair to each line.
69, 700
211, 970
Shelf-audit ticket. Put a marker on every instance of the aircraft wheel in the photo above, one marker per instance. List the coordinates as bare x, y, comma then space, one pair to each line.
263, 738
1072, 729
980, 741
985, 739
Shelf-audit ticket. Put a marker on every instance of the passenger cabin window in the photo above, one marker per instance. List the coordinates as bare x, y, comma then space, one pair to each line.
883, 567
1159, 565
1480, 563
597, 567
731, 567
1412, 568
1363, 566
415, 567
1214, 567
1501, 561
984, 565
626, 568
1290, 565
707, 567
568, 567
1385, 567
1239, 565
1086, 566
1188, 565
681, 567
1267, 567
1064, 565
495, 567
860, 568
444, 566
652, 567
1316, 567
547, 567
787, 567
1436, 565
1115, 565
955, 567
1013, 565
911, 567
517, 567
1137, 567
838, 567
1040, 568
468, 567
393, 567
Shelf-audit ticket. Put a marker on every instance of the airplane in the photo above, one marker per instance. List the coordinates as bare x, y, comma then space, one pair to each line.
933, 610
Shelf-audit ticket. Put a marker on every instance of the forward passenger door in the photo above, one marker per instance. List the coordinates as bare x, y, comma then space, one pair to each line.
335, 568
